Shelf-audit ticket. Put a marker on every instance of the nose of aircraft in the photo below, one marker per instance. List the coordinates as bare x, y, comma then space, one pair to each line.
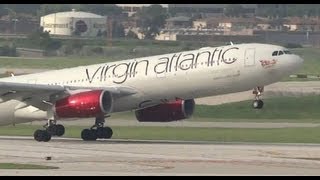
290, 65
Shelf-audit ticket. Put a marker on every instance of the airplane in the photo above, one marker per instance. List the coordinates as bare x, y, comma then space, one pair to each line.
159, 88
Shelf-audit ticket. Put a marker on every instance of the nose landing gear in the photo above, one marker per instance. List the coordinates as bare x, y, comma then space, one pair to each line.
257, 103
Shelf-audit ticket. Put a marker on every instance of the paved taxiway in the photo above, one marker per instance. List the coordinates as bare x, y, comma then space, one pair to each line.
123, 157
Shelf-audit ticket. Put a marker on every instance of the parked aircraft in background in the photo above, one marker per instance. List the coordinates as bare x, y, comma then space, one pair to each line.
158, 88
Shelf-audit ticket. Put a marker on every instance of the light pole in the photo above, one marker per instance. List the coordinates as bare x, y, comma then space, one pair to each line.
15, 25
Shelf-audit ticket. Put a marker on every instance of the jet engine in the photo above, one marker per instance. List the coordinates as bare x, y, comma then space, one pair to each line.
84, 104
171, 111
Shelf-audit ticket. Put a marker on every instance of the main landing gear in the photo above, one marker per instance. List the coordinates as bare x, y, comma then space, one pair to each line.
51, 129
258, 103
97, 131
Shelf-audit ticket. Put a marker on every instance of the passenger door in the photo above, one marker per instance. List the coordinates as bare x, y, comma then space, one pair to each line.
249, 57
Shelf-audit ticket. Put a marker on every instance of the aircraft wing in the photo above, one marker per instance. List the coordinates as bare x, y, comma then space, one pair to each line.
41, 96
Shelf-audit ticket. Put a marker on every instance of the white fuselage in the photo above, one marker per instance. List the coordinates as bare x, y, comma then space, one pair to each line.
186, 75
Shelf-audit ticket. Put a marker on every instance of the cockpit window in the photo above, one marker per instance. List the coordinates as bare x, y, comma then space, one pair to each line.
287, 52
280, 53
275, 53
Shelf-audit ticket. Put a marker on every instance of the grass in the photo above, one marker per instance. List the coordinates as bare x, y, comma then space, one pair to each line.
283, 135
277, 135
277, 109
311, 58
50, 63
299, 79
24, 166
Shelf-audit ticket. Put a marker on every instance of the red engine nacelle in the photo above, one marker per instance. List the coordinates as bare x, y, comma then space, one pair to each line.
84, 104
171, 111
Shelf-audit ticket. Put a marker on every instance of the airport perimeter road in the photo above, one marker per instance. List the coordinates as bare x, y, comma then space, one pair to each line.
121, 157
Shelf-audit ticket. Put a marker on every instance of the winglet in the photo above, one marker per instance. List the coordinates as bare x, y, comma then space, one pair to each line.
12, 75
231, 42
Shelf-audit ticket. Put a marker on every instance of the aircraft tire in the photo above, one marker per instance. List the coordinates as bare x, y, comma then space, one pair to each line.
257, 104
60, 130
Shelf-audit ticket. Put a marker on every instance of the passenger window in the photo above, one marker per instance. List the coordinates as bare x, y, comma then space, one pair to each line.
275, 53
280, 53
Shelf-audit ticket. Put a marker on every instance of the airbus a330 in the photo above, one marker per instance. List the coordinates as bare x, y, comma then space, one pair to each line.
158, 88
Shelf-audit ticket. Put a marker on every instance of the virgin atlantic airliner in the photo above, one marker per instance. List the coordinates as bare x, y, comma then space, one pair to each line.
158, 88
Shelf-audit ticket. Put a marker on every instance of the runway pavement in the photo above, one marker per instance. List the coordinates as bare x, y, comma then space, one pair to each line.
123, 157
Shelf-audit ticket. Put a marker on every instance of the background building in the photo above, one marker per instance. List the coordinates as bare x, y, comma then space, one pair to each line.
131, 9
207, 10
74, 23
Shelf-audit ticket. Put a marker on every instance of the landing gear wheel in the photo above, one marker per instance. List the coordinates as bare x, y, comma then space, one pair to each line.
89, 135
38, 135
42, 135
56, 129
97, 130
60, 130
101, 132
104, 132
109, 132
47, 136
257, 104
52, 129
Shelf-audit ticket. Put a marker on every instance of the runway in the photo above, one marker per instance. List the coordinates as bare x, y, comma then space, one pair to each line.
132, 157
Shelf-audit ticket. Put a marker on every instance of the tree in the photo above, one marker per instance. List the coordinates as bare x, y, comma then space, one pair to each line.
101, 9
117, 30
2, 10
13, 10
43, 39
46, 9
234, 10
132, 35
152, 18
284, 10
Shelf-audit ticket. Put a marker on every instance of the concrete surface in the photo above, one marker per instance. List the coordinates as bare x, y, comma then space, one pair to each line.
121, 157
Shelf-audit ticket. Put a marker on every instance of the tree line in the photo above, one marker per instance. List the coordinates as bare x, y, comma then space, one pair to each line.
281, 10
151, 19
44, 9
